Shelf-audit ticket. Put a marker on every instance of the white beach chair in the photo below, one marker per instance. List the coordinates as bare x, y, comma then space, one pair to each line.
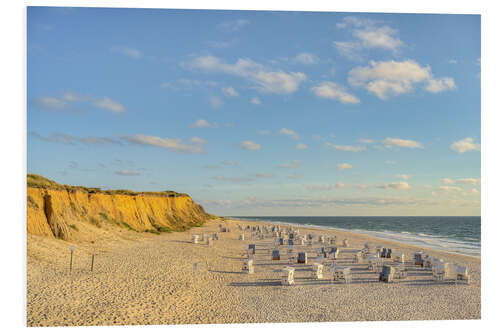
248, 266
374, 263
345, 243
317, 271
441, 270
321, 239
358, 257
194, 239
399, 258
401, 272
287, 276
210, 241
241, 237
462, 274
341, 273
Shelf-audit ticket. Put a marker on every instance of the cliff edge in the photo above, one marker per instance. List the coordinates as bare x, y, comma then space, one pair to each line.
75, 212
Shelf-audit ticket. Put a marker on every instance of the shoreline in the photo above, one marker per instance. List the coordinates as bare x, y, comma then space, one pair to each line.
355, 232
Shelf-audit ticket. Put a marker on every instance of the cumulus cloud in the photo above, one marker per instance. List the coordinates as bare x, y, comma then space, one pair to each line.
390, 142
196, 145
108, 104
290, 133
465, 145
230, 92
301, 146
264, 132
51, 104
403, 176
391, 78
331, 90
354, 149
306, 58
343, 166
249, 145
265, 80
367, 34
395, 186
202, 123
127, 173
292, 164
229, 163
255, 100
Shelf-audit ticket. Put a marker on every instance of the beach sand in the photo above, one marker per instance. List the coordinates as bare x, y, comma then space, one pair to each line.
148, 279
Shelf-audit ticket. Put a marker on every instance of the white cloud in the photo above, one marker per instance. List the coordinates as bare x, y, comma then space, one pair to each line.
68, 139
366, 141
249, 145
268, 81
233, 179
462, 181
474, 191
290, 133
368, 34
255, 100
453, 61
233, 26
110, 105
202, 123
306, 58
389, 142
450, 188
51, 103
395, 186
196, 146
343, 166
291, 165
127, 173
403, 176
127, 51
301, 146
331, 90
293, 176
437, 85
386, 78
465, 145
354, 149
215, 102
230, 92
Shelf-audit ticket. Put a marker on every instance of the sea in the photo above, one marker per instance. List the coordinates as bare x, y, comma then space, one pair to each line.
457, 234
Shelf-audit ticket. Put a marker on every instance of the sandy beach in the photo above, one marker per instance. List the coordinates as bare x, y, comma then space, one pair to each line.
146, 279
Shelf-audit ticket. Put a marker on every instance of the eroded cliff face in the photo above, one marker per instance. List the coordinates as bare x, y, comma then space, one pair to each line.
61, 213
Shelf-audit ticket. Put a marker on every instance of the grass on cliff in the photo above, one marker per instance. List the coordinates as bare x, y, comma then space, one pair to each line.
38, 181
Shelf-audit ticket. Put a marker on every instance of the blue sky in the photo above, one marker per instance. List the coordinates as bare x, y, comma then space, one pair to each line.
260, 113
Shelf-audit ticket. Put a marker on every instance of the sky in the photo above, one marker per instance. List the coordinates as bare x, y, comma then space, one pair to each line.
260, 113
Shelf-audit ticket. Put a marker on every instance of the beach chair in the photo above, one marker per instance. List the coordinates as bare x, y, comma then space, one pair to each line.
240, 228
389, 254
248, 266
251, 248
345, 243
215, 236
287, 276
374, 263
317, 271
378, 251
333, 253
290, 242
387, 274
194, 239
383, 253
341, 273
210, 241
358, 257
418, 258
462, 274
399, 258
241, 237
275, 255
302, 258
441, 270
321, 239
400, 272
281, 241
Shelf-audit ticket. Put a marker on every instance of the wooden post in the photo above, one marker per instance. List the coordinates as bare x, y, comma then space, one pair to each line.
92, 264
195, 267
71, 258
